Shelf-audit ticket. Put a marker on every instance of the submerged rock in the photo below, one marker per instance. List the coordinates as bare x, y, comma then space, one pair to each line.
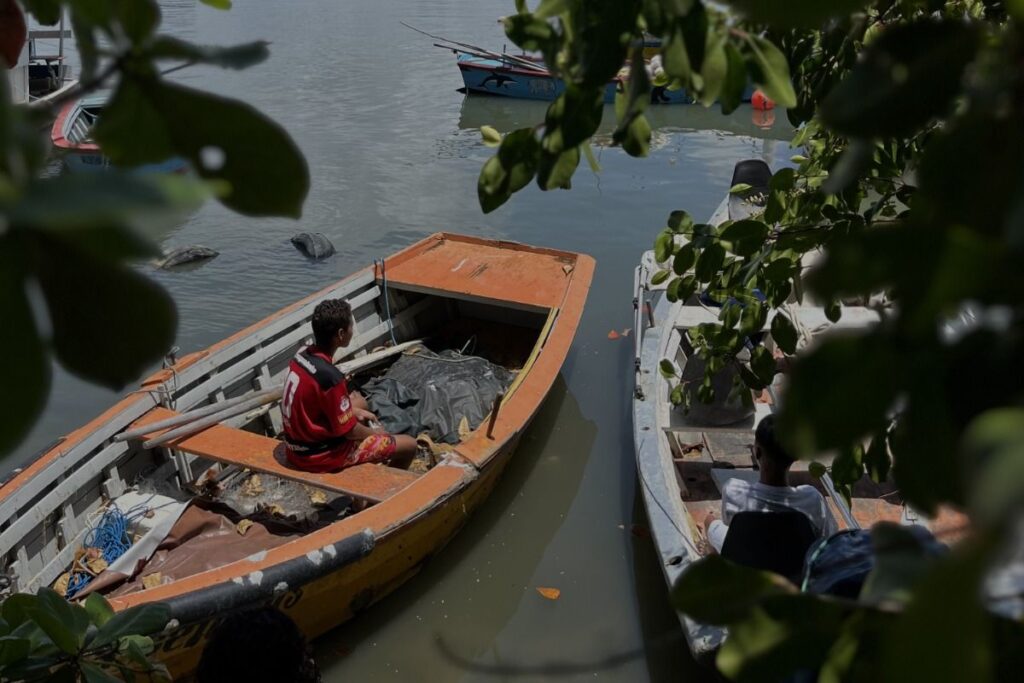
185, 255
315, 245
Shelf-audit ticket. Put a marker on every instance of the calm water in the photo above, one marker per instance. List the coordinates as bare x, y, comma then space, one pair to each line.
394, 153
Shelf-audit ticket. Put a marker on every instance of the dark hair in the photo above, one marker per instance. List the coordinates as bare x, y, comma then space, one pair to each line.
329, 316
260, 645
768, 440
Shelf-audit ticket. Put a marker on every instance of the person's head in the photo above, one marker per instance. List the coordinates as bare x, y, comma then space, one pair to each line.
332, 324
768, 452
260, 645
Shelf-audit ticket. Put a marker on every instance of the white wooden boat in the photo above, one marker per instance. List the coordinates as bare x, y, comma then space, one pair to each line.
683, 461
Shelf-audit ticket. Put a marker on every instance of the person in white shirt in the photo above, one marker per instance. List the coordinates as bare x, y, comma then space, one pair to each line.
772, 493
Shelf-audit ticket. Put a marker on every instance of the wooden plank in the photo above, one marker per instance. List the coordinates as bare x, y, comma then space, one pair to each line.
60, 493
263, 454
678, 422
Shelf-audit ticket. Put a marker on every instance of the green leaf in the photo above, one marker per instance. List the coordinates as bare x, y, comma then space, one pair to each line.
784, 333
876, 459
784, 634
717, 591
95, 210
833, 311
755, 314
265, 172
763, 365
715, 69
64, 623
680, 222
138, 18
663, 245
46, 12
84, 327
234, 57
947, 607
735, 84
770, 71
994, 449
862, 371
740, 188
744, 238
17, 608
637, 141
660, 276
141, 620
13, 649
907, 77
218, 4
848, 466
684, 259
100, 611
674, 56
23, 364
94, 673
556, 171
510, 170
901, 561
795, 13
666, 368
491, 137
710, 262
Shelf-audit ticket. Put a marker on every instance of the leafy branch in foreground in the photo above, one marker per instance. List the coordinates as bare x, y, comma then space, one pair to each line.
71, 238
44, 637
905, 196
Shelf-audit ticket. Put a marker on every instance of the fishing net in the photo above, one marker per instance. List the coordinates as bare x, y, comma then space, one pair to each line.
443, 394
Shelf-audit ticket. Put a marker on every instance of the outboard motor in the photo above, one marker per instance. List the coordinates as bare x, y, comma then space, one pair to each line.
753, 172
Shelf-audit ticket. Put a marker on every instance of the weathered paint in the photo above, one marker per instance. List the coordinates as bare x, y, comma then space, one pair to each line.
414, 523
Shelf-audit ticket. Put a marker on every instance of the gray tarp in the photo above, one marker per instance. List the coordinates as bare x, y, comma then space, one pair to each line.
432, 392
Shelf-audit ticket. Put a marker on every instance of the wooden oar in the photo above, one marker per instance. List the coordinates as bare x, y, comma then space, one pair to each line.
197, 420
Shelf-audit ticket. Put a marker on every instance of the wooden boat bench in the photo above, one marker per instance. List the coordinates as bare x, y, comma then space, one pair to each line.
259, 453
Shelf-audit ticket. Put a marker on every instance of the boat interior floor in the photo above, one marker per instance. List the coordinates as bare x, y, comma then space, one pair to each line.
704, 461
248, 498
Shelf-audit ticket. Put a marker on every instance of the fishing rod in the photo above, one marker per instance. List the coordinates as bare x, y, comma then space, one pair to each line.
482, 51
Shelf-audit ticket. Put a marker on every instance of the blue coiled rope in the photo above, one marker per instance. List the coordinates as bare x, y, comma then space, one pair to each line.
110, 536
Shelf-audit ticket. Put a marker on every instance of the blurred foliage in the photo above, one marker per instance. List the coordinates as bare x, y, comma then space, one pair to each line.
907, 195
44, 637
67, 242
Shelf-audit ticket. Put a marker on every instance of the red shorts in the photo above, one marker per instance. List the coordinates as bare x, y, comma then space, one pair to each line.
374, 448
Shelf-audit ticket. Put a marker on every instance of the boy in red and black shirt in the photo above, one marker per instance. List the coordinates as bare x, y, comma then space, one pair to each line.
324, 425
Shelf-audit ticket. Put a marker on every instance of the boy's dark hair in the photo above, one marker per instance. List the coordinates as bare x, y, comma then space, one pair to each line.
329, 316
767, 439
260, 645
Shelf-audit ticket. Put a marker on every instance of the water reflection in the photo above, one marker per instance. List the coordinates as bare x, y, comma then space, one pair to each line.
506, 114
450, 614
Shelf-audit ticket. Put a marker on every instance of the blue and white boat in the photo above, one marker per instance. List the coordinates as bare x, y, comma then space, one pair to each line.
527, 78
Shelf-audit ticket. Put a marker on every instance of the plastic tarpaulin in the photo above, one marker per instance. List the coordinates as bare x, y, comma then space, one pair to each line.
430, 392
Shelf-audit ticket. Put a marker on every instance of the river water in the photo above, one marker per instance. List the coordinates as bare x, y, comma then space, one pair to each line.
394, 152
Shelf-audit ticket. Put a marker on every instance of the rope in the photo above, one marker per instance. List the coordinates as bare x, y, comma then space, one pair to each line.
387, 304
110, 537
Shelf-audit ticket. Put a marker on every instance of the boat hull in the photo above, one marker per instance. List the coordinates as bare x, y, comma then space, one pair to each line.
494, 77
327, 576
81, 155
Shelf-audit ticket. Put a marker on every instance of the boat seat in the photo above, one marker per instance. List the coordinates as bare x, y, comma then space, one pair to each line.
772, 541
259, 453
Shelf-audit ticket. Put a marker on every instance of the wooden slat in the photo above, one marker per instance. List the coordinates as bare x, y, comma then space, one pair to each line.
263, 454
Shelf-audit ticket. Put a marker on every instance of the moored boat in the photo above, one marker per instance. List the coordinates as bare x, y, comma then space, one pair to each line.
526, 78
684, 459
516, 306
71, 135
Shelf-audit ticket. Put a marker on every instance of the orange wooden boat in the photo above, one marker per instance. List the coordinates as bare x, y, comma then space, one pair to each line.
522, 304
